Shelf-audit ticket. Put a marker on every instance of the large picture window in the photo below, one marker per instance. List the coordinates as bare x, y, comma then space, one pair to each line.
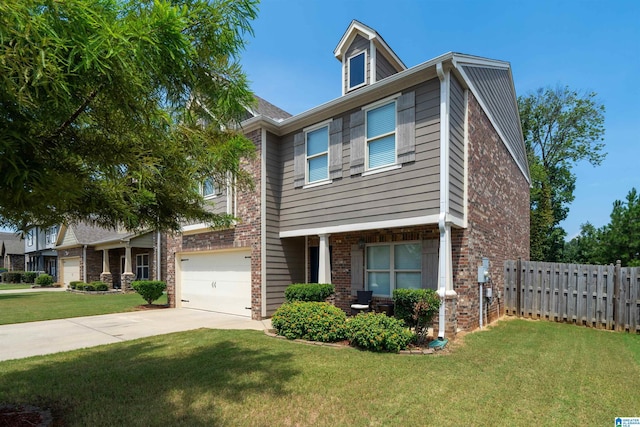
381, 136
317, 154
394, 266
52, 234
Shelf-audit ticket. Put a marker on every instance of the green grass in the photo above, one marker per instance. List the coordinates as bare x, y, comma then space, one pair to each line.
518, 373
10, 286
35, 306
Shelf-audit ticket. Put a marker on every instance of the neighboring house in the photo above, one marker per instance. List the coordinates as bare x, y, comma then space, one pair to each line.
408, 180
88, 253
39, 250
11, 252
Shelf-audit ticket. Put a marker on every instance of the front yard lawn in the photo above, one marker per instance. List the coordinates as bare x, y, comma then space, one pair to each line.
11, 286
518, 373
35, 306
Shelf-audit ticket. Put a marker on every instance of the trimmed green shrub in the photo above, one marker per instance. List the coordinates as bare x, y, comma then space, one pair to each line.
80, 286
12, 276
101, 286
74, 283
29, 276
44, 280
309, 320
89, 287
317, 292
378, 332
149, 290
417, 308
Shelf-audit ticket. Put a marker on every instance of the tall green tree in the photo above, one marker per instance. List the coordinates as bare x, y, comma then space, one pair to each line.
103, 105
561, 127
618, 240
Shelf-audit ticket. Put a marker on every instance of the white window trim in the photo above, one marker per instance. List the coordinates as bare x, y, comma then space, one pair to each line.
366, 109
30, 238
307, 130
209, 196
392, 270
140, 265
364, 83
52, 233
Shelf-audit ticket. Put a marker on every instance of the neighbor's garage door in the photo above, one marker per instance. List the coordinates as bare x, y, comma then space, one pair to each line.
217, 282
70, 270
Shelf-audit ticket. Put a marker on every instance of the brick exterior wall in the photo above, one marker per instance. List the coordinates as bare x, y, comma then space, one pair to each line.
246, 234
498, 219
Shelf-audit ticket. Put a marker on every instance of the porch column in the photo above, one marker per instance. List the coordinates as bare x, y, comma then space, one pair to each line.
127, 259
105, 261
106, 275
127, 276
324, 265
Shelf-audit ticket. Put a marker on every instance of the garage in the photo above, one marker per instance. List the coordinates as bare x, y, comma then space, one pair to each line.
219, 281
70, 270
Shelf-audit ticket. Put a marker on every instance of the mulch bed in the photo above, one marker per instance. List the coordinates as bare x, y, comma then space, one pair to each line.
24, 416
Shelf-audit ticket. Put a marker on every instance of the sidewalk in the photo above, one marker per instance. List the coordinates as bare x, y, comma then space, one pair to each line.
52, 336
22, 291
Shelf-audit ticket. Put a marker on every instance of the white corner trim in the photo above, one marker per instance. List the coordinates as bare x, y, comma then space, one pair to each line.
465, 196
263, 224
372, 68
346, 228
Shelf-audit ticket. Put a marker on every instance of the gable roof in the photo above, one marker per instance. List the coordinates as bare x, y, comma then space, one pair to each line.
267, 109
357, 27
85, 234
11, 243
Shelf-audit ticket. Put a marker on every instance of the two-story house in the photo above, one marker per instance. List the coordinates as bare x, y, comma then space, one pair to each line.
408, 180
39, 250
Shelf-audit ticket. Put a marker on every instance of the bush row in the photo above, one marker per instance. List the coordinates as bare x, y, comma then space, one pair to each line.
24, 277
308, 292
93, 286
320, 321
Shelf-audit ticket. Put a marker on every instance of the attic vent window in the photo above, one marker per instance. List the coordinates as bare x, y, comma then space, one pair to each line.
357, 70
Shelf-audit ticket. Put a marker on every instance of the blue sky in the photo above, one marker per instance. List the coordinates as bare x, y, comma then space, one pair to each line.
586, 45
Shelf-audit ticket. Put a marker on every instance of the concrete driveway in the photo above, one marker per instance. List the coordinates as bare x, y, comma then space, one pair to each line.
53, 336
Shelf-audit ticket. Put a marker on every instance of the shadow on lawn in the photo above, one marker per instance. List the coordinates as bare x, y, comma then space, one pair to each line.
184, 379
18, 295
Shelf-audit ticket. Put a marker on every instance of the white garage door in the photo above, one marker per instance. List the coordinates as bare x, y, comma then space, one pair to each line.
217, 282
70, 270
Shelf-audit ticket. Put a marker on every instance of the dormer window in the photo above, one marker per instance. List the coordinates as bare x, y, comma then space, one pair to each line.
357, 70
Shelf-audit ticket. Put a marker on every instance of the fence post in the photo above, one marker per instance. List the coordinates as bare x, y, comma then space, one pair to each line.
617, 284
519, 287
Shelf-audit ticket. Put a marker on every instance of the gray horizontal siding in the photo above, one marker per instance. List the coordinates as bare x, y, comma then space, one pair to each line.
284, 258
456, 149
383, 66
410, 191
496, 92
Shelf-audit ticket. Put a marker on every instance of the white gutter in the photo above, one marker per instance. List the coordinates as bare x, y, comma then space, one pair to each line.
158, 257
84, 264
445, 270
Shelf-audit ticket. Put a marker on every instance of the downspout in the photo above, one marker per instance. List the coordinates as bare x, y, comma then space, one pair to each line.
444, 254
84, 264
158, 257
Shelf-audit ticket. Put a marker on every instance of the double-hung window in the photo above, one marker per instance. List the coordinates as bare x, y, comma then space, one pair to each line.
51, 235
393, 266
30, 238
357, 70
317, 148
142, 266
381, 136
208, 188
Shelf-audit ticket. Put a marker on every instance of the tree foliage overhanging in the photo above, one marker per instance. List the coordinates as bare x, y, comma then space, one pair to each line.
112, 110
561, 127
617, 241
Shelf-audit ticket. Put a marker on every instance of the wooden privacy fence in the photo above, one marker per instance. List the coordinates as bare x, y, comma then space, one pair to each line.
600, 296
